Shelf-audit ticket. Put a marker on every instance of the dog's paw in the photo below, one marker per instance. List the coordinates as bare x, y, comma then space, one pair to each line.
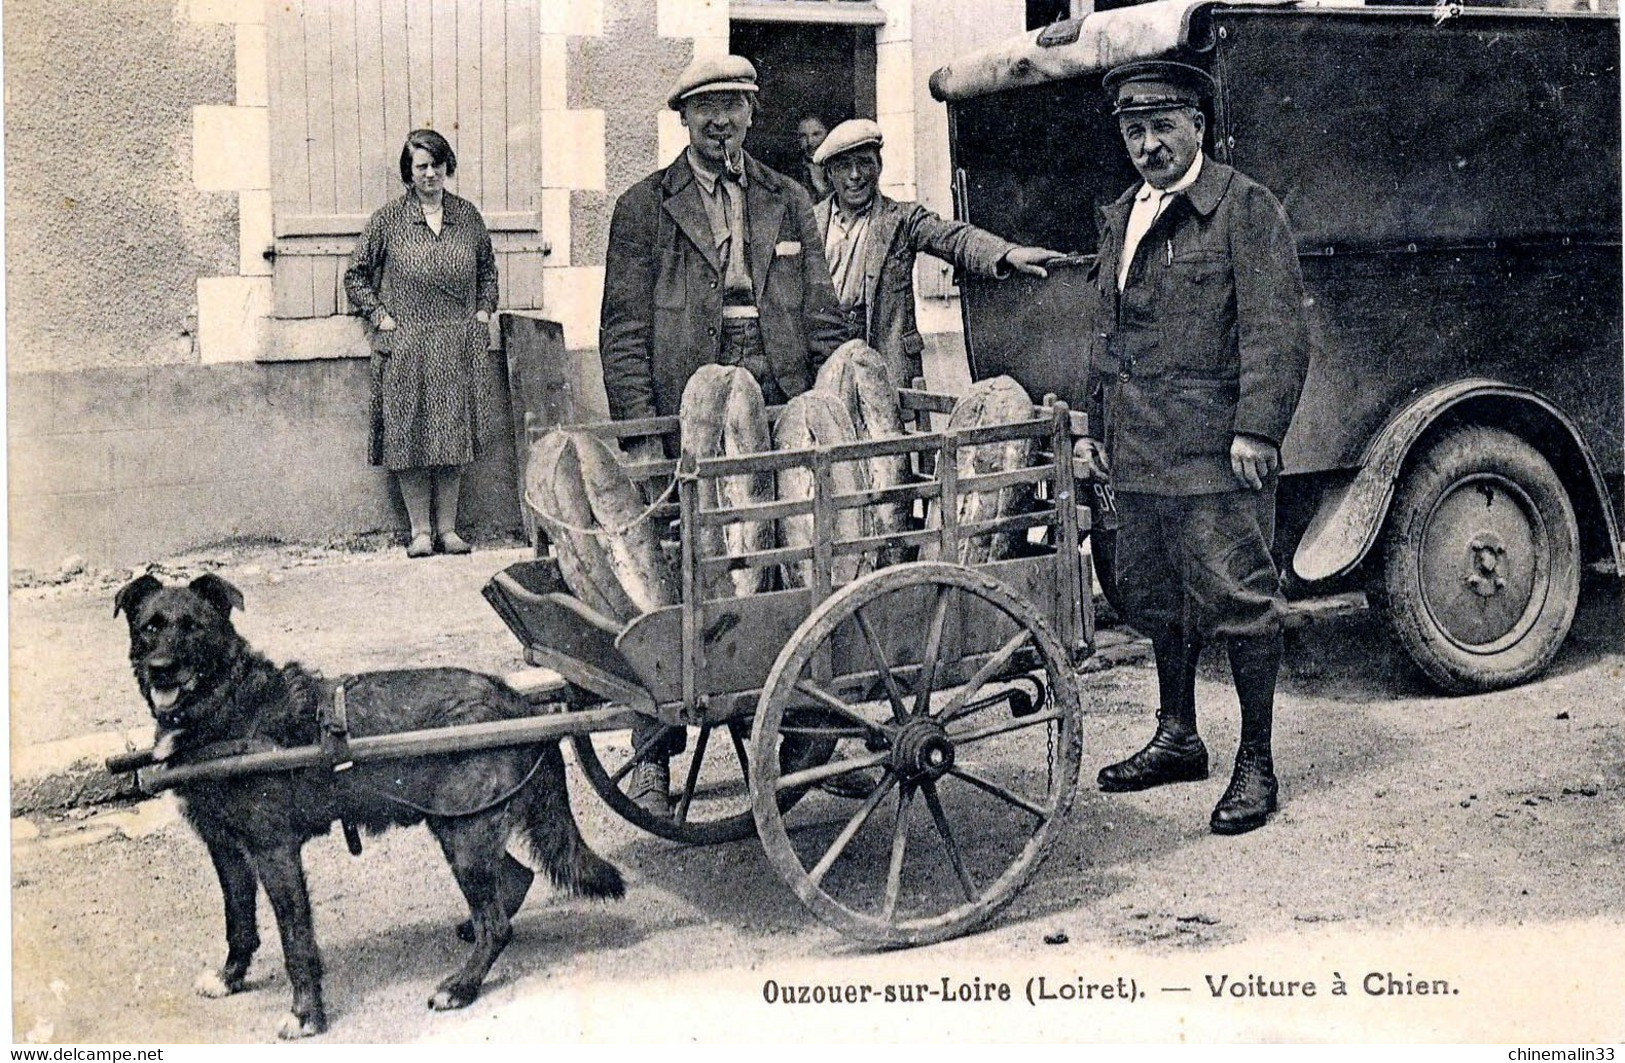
450, 998
292, 1027
211, 984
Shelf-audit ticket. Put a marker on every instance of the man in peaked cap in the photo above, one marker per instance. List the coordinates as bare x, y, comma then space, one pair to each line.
870, 241
713, 259
1197, 356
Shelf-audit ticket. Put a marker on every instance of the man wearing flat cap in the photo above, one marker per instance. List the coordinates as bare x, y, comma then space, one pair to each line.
870, 241
1198, 352
713, 259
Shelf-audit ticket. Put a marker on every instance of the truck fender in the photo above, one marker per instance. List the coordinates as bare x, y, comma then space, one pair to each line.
1349, 517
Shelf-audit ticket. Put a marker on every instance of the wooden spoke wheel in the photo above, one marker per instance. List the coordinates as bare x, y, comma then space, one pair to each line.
710, 774
967, 764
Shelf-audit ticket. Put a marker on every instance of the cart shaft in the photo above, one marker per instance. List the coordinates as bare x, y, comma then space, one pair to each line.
460, 739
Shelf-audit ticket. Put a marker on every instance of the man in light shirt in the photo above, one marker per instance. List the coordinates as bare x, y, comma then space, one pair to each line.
870, 241
1197, 357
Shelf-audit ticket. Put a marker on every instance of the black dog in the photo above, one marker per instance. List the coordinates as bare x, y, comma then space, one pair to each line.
211, 693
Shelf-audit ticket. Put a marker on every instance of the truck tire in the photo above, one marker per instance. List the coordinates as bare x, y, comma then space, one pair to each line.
1480, 561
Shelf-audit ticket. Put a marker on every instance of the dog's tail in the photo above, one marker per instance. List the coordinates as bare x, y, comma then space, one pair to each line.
547, 831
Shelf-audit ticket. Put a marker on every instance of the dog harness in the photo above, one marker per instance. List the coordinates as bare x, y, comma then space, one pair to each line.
334, 735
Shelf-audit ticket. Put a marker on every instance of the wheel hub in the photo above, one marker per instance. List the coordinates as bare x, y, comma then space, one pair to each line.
922, 752
1486, 564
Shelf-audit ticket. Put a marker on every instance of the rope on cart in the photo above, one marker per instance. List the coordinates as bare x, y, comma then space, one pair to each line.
618, 529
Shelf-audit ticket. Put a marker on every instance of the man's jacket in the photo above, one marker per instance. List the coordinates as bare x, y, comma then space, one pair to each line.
897, 232
662, 310
1208, 339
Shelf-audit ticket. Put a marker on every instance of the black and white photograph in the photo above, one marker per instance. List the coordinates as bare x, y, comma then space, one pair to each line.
816, 522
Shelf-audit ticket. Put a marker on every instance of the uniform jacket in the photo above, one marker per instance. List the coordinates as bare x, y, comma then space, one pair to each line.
662, 309
1208, 339
897, 232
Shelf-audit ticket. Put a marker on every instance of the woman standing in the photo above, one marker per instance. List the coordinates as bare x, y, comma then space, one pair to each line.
425, 277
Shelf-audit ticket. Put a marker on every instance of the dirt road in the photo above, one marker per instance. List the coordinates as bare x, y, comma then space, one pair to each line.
1473, 842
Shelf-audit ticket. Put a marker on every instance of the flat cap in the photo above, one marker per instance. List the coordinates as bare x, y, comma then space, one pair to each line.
848, 136
715, 73
1155, 85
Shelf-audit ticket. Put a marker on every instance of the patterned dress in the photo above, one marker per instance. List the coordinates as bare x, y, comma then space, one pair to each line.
431, 389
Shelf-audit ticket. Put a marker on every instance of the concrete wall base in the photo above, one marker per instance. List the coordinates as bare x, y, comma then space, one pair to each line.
124, 466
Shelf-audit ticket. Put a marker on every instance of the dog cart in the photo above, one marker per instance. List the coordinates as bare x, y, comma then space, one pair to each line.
905, 745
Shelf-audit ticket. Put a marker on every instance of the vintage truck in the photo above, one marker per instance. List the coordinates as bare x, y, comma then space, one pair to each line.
1452, 175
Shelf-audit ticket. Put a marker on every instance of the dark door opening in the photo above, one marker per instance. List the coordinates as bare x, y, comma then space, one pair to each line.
804, 69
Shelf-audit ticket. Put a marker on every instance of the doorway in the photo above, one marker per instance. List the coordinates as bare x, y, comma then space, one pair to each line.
804, 69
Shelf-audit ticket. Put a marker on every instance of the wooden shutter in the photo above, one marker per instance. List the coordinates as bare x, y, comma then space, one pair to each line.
349, 80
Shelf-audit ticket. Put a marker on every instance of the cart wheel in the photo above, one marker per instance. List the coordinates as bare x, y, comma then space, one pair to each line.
710, 777
970, 759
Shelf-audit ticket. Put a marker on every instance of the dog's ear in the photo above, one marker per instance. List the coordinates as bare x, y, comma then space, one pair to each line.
218, 593
129, 599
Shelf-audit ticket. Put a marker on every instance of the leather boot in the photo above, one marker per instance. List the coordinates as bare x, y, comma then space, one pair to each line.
1251, 795
650, 789
1253, 792
1175, 753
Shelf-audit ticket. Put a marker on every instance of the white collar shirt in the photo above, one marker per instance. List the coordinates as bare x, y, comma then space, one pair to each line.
1149, 203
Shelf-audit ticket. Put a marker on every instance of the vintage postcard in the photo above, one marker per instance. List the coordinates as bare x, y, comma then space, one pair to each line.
821, 521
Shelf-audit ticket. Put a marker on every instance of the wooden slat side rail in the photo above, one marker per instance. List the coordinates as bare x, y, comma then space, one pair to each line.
993, 481
875, 542
1020, 522
1004, 433
916, 400
924, 489
759, 511
756, 559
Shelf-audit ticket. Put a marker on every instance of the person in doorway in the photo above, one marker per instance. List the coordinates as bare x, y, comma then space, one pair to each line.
714, 259
871, 241
810, 132
425, 278
1197, 358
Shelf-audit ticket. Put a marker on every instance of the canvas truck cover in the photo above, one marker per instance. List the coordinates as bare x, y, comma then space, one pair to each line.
1092, 44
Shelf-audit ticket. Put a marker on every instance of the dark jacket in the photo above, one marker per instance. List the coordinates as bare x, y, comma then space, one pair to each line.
897, 232
662, 310
1208, 339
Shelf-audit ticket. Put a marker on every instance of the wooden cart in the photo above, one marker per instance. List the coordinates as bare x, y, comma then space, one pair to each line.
942, 694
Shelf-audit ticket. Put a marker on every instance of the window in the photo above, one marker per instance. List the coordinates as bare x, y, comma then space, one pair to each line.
349, 80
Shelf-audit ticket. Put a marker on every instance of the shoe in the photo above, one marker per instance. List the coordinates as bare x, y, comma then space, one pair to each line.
1165, 759
651, 788
1250, 797
452, 543
422, 546
854, 785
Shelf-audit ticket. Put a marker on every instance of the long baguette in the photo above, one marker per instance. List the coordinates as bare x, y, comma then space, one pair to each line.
999, 400
856, 375
630, 539
815, 419
554, 489
722, 414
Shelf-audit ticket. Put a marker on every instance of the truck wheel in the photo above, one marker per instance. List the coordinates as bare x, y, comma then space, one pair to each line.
1481, 561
